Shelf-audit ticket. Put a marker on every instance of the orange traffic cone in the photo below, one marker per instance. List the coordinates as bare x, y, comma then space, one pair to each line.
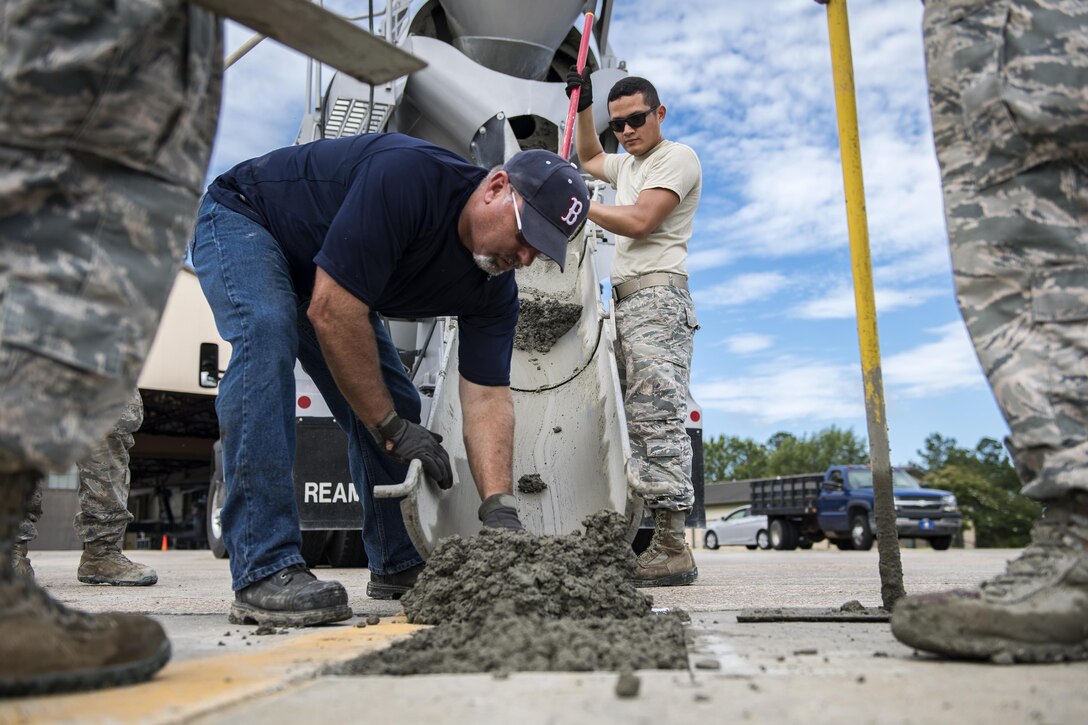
164, 546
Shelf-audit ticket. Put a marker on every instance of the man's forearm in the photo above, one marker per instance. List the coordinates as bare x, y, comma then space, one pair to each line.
623, 220
342, 323
636, 220
488, 422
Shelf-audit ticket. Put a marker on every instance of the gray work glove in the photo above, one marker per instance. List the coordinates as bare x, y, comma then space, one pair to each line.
404, 440
574, 81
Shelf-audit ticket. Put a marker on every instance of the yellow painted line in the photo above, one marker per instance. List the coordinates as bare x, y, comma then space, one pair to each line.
196, 687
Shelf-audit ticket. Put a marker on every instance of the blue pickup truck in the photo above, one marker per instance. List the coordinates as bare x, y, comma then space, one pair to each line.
838, 505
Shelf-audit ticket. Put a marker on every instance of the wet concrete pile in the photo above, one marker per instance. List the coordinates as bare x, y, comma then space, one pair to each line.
509, 574
542, 322
507, 602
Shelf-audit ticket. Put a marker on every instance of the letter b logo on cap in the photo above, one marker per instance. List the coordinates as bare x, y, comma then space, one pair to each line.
556, 200
571, 217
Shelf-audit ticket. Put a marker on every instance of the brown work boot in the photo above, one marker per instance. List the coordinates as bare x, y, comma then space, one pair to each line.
1037, 611
46, 647
20, 559
103, 563
667, 561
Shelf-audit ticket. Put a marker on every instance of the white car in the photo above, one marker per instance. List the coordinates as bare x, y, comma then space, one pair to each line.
739, 528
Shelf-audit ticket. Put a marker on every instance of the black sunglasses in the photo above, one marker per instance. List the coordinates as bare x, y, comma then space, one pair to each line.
635, 120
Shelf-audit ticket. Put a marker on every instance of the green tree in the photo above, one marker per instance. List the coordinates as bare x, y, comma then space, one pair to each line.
731, 458
937, 451
986, 487
781, 439
991, 457
816, 452
999, 517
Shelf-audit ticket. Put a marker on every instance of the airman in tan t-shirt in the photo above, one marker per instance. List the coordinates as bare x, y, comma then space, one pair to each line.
658, 184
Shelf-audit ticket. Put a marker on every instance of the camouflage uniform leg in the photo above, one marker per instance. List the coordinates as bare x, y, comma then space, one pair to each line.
87, 252
104, 480
1009, 96
654, 334
28, 529
103, 151
107, 111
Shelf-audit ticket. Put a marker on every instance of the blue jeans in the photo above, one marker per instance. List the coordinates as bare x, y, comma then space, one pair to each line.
247, 282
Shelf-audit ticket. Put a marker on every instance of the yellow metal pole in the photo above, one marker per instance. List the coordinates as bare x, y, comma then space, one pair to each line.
842, 65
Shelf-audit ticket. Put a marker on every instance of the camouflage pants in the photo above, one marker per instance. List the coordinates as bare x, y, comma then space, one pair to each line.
655, 328
103, 484
107, 114
87, 253
1008, 86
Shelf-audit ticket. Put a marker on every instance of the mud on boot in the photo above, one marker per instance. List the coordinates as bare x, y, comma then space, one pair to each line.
1037, 611
667, 561
103, 563
292, 597
392, 586
46, 647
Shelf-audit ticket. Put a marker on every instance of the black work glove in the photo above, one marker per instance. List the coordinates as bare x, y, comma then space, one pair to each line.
404, 440
499, 511
574, 81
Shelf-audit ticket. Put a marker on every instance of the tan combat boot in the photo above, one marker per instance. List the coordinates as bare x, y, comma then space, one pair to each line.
103, 563
1037, 611
46, 647
667, 561
21, 559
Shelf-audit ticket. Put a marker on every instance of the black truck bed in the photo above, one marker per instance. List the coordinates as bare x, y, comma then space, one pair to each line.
785, 495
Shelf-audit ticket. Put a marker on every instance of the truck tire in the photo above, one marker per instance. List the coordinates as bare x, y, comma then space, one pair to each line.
763, 540
941, 543
843, 544
217, 491
861, 536
783, 535
345, 549
710, 541
804, 543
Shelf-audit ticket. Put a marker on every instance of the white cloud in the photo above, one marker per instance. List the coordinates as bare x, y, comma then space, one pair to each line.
838, 302
931, 263
803, 392
741, 289
948, 364
263, 100
750, 86
748, 343
712, 258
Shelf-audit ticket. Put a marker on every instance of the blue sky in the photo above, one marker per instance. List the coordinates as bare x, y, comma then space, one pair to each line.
747, 84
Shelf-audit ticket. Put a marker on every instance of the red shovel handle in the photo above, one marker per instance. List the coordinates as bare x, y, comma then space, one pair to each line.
572, 112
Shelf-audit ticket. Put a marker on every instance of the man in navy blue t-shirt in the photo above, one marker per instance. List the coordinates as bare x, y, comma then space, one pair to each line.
298, 252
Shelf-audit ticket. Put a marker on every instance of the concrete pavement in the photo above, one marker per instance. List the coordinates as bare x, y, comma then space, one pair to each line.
785, 672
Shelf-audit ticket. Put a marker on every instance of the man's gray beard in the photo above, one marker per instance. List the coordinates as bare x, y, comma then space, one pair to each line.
488, 264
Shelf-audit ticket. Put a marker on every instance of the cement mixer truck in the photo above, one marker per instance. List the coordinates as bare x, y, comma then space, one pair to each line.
492, 87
